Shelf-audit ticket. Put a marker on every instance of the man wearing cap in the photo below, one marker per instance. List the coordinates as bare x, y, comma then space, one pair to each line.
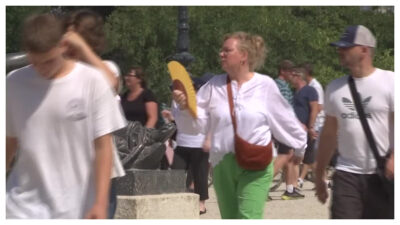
357, 192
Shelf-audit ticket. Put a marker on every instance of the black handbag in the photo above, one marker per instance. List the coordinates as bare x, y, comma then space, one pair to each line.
388, 185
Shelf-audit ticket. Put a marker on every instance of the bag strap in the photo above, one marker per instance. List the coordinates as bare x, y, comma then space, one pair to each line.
230, 100
364, 122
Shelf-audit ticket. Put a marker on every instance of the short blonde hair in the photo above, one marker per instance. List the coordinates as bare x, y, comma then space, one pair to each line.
253, 45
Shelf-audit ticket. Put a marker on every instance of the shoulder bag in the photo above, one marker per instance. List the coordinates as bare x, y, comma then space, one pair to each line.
249, 156
388, 185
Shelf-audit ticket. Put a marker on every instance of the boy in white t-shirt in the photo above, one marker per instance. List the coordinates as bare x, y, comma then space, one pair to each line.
60, 114
357, 190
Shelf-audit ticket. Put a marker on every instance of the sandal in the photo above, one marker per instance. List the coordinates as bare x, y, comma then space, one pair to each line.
203, 212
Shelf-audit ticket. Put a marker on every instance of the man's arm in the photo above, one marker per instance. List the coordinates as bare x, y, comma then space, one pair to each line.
103, 163
326, 148
389, 172
86, 54
313, 116
11, 149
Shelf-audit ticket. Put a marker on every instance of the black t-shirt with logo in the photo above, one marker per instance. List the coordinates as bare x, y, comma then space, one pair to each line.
136, 110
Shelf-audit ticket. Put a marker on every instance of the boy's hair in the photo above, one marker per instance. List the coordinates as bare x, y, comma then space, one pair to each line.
41, 33
89, 25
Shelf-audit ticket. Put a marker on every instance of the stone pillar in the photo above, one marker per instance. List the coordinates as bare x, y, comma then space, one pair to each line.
155, 194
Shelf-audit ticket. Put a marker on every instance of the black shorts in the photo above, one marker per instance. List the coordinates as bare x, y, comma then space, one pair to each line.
283, 149
309, 155
360, 196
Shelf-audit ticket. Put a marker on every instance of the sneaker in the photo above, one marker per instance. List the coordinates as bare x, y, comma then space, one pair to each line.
291, 196
300, 183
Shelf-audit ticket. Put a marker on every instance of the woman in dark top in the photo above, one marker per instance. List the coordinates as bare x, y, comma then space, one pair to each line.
139, 103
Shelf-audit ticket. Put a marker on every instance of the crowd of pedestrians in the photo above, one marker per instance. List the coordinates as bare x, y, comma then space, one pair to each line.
62, 109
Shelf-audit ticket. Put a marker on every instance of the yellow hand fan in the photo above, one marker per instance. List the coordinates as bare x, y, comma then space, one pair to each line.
181, 81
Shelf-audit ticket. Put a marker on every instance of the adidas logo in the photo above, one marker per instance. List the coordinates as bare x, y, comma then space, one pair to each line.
350, 105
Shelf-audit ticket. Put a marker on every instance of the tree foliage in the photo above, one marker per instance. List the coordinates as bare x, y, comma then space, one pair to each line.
146, 36
15, 16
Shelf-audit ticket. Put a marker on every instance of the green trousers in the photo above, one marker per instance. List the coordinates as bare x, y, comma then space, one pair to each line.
241, 193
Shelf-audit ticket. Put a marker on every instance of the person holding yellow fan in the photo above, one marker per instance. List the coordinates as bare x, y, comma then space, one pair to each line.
241, 109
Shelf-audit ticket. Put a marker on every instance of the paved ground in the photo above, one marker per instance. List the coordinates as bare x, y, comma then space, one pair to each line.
307, 208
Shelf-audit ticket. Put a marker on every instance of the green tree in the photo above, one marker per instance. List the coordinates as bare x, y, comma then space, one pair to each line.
147, 35
15, 16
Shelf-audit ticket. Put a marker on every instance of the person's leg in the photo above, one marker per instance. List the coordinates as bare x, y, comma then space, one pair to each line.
189, 178
181, 162
253, 188
295, 177
292, 174
225, 186
279, 162
309, 158
112, 205
346, 196
181, 159
289, 175
285, 153
304, 171
199, 168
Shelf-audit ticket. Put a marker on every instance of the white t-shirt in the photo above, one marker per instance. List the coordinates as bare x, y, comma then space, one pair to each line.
117, 72
319, 122
377, 96
260, 110
186, 140
56, 123
117, 169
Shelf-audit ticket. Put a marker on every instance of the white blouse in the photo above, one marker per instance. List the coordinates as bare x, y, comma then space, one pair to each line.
260, 111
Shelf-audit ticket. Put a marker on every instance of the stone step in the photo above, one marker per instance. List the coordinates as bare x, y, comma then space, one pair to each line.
151, 182
163, 206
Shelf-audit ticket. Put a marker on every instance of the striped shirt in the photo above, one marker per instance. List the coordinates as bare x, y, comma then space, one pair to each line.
285, 90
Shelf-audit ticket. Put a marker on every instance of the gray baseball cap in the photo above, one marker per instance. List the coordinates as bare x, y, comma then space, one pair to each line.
355, 35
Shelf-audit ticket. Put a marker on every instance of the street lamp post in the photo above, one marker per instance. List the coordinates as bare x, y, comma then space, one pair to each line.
182, 54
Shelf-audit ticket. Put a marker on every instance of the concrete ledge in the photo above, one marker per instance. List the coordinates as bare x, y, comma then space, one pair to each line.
164, 206
151, 182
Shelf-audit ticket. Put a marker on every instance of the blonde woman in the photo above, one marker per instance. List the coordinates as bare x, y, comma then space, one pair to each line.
259, 110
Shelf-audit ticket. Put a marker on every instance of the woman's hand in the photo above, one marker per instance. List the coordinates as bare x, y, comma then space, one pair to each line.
180, 99
167, 115
207, 144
